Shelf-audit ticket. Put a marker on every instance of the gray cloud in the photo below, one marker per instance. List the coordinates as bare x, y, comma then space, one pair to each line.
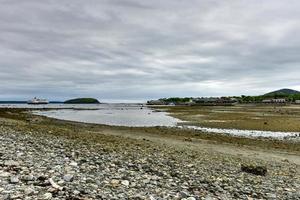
138, 50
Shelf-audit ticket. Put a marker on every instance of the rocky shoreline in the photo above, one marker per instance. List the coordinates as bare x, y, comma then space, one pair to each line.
39, 164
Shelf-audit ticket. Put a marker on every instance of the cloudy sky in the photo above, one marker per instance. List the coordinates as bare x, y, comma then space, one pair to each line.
133, 50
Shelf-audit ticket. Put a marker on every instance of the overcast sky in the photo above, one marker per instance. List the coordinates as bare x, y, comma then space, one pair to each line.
134, 50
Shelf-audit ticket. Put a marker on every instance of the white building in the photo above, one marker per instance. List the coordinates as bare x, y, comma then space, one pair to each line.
279, 100
297, 101
274, 101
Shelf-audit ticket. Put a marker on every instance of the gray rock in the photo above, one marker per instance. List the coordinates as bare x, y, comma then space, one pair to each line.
74, 164
68, 177
29, 191
76, 192
271, 196
125, 183
184, 194
191, 198
4, 174
47, 196
14, 179
209, 198
11, 163
29, 177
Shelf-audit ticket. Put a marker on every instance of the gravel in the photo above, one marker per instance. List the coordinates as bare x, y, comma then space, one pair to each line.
42, 166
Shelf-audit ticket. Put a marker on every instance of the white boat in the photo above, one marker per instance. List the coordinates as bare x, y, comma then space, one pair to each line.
37, 101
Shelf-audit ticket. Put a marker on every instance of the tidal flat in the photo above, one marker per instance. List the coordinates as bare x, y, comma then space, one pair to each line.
285, 118
43, 158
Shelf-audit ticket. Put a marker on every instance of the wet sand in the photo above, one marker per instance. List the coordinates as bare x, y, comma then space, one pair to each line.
285, 118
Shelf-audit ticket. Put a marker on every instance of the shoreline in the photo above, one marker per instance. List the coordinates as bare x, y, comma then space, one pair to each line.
245, 133
90, 161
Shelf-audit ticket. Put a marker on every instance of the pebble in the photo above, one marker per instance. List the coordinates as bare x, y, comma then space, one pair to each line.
14, 179
47, 196
73, 164
76, 192
191, 198
5, 174
29, 191
209, 198
68, 177
125, 183
28, 177
10, 163
151, 197
115, 182
271, 196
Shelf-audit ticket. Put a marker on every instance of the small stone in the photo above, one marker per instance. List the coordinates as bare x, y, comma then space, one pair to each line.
184, 194
28, 178
47, 196
208, 198
191, 198
11, 163
14, 179
76, 192
68, 177
114, 182
271, 196
151, 197
5, 174
16, 196
125, 183
28, 191
73, 164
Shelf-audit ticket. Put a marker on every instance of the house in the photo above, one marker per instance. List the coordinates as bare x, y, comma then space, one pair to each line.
297, 101
156, 102
228, 100
279, 100
203, 100
274, 101
267, 101
215, 101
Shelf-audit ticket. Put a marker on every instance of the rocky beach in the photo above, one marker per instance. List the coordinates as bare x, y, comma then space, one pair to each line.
41, 158
149, 100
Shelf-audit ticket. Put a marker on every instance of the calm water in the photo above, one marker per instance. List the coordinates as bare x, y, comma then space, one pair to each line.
134, 115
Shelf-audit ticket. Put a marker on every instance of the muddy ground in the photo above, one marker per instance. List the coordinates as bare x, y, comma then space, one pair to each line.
242, 116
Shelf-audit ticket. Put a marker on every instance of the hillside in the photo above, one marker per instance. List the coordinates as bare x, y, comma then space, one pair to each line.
82, 101
282, 92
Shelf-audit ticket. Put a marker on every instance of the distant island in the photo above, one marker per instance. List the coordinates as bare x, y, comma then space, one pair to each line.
82, 101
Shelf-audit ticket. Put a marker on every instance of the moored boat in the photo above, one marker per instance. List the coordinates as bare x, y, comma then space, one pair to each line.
37, 101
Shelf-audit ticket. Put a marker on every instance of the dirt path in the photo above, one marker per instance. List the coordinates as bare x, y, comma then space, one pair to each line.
203, 145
